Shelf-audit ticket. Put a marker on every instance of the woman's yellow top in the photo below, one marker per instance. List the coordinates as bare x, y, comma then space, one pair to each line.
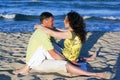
72, 47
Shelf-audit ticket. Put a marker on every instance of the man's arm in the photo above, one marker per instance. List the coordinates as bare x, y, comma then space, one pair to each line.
55, 55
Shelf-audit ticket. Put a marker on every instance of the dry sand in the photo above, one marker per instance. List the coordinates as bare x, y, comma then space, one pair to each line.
13, 46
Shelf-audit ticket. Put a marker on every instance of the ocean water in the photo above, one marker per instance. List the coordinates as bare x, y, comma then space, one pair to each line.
22, 15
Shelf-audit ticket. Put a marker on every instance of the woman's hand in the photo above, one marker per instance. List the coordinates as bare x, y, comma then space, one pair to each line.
37, 26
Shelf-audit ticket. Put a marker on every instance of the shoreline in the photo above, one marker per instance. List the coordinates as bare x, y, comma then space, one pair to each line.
14, 45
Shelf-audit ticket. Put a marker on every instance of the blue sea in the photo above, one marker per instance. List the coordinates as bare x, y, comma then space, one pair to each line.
22, 15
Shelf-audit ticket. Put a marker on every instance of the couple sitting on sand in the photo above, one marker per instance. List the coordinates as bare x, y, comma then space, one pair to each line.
43, 57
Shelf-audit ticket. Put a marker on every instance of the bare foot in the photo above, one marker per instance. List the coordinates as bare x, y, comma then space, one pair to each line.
104, 75
22, 59
24, 70
93, 57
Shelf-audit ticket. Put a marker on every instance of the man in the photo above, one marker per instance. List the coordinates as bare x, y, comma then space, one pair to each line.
40, 45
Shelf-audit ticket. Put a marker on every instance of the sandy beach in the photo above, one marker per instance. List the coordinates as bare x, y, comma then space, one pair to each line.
107, 44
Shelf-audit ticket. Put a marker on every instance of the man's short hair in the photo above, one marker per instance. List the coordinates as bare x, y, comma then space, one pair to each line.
45, 15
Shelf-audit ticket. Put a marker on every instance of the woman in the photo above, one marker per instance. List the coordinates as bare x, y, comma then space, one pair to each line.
74, 37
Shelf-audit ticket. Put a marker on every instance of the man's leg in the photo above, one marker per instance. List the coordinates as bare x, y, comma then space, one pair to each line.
51, 66
40, 55
37, 58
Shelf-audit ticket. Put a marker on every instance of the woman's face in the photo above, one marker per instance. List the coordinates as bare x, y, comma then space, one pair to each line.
66, 22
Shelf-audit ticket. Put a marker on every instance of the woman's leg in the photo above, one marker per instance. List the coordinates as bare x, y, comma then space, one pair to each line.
77, 71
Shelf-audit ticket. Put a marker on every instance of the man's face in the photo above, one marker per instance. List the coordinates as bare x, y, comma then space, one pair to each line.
49, 22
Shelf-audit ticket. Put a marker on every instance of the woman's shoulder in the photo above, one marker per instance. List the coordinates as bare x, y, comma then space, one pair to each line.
72, 34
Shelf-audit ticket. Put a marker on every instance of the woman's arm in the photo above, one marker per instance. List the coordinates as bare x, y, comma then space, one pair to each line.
57, 34
61, 29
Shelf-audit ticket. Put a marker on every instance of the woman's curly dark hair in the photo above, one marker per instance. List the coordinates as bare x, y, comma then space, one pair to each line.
77, 24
